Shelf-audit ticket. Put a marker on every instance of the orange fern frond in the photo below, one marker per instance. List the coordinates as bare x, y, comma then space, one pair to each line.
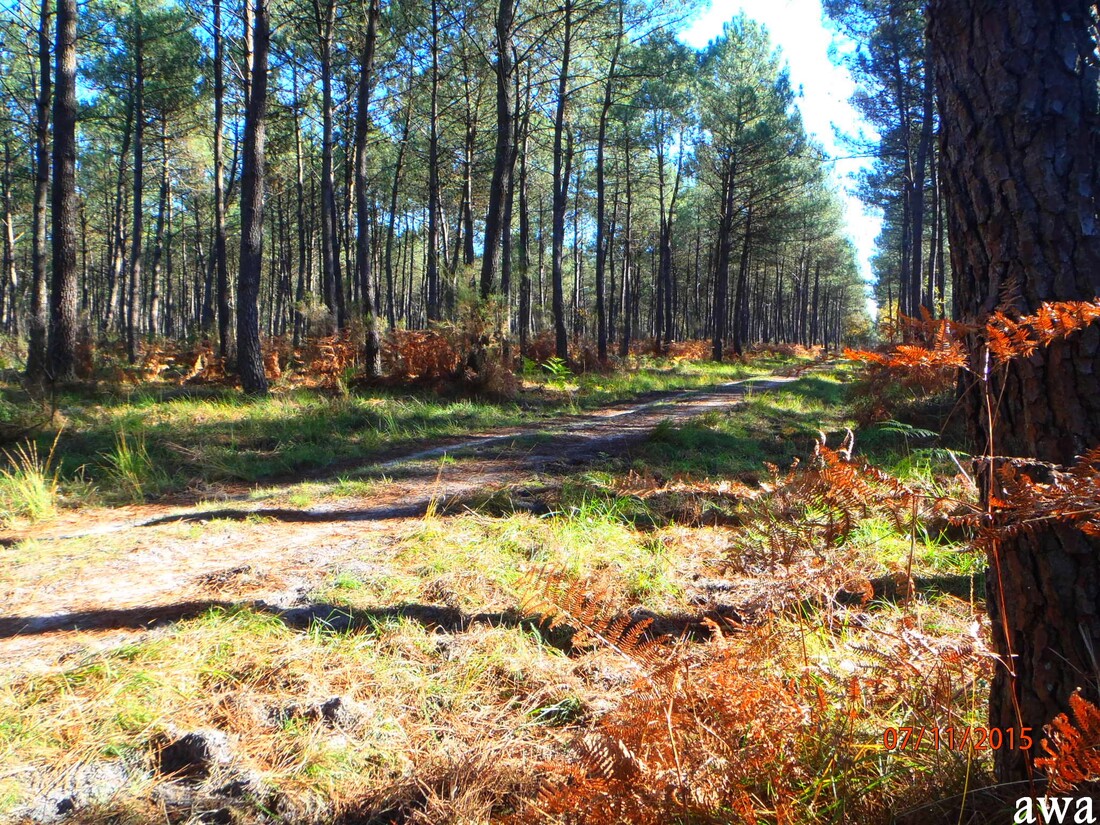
1072, 747
1009, 339
586, 607
1068, 495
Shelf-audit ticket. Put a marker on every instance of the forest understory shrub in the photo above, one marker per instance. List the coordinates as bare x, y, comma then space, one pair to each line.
755, 725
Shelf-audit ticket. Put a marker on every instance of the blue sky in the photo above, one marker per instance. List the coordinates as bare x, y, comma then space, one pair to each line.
798, 29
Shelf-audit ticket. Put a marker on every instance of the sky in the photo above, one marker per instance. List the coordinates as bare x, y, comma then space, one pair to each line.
798, 28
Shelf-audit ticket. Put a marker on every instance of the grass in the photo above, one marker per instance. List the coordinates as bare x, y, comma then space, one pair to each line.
154, 440
28, 485
131, 470
450, 698
650, 375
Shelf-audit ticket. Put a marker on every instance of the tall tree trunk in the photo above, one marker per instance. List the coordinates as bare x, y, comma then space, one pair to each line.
924, 147
117, 273
740, 314
506, 238
221, 258
1022, 184
325, 20
473, 106
8, 309
349, 282
561, 192
300, 218
132, 309
36, 347
815, 305
503, 158
169, 294
432, 273
720, 308
626, 310
65, 206
250, 362
601, 195
668, 212
524, 222
391, 314
372, 349
158, 238
576, 299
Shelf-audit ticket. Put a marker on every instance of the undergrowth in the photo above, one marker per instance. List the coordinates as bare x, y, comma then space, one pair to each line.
133, 441
679, 635
28, 484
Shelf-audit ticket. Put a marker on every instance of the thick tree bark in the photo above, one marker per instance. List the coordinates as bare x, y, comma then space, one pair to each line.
372, 349
65, 205
250, 362
39, 317
1017, 85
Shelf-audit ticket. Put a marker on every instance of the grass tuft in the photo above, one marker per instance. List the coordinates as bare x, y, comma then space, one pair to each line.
28, 486
131, 469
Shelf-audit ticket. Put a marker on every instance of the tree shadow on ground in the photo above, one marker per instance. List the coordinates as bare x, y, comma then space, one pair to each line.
341, 619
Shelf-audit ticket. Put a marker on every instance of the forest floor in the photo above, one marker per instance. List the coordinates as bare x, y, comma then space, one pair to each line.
171, 568
353, 645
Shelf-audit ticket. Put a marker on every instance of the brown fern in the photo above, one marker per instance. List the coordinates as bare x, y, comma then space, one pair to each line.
1009, 338
1072, 746
710, 740
585, 606
1020, 501
701, 735
941, 344
928, 675
809, 512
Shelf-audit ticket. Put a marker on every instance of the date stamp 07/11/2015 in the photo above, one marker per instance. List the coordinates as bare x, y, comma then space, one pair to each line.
957, 738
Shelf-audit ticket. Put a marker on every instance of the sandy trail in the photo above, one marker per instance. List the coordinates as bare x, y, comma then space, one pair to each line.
95, 577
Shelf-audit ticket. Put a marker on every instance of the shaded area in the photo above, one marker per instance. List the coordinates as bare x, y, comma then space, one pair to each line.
290, 515
343, 619
126, 618
336, 618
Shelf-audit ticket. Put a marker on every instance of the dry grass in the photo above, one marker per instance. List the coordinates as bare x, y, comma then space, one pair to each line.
454, 709
415, 705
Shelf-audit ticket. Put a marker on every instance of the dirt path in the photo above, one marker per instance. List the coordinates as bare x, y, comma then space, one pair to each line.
96, 576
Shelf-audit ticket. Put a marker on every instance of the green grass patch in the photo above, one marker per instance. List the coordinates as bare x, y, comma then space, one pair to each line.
156, 439
28, 484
